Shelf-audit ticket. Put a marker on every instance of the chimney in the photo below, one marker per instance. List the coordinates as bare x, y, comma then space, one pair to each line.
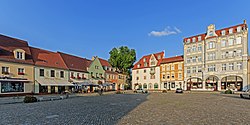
245, 22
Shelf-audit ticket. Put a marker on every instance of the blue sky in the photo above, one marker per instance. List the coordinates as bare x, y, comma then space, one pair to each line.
93, 27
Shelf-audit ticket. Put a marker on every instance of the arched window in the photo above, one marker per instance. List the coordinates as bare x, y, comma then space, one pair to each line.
156, 86
145, 86
150, 86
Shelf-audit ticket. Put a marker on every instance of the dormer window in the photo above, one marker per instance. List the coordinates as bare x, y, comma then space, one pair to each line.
188, 41
238, 28
223, 32
199, 38
138, 66
19, 54
144, 60
194, 39
231, 31
159, 57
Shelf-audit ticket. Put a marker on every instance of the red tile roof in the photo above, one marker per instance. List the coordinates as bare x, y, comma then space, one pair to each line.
147, 57
74, 62
218, 32
104, 62
172, 59
47, 58
8, 45
111, 72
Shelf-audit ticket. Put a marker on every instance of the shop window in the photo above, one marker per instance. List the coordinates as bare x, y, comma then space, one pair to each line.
12, 87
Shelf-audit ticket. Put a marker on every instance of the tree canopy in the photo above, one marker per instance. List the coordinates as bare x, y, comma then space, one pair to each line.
122, 58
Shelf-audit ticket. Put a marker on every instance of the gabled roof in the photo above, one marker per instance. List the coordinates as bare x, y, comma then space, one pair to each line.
172, 59
147, 57
47, 58
74, 62
8, 45
104, 62
218, 32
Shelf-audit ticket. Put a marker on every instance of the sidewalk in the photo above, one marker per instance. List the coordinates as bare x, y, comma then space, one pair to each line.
49, 97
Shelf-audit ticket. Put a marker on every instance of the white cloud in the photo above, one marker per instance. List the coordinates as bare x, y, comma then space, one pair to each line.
167, 31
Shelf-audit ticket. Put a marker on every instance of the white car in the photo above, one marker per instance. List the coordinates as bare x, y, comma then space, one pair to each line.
245, 94
140, 90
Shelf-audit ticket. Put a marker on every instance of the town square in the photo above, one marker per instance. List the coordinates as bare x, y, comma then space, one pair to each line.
124, 62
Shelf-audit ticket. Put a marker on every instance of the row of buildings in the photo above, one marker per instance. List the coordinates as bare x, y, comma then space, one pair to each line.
215, 60
26, 69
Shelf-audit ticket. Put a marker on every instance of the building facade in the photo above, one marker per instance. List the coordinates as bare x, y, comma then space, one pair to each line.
16, 65
217, 59
51, 73
172, 73
96, 71
146, 72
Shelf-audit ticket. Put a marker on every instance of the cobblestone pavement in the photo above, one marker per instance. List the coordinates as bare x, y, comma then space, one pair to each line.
94, 110
190, 108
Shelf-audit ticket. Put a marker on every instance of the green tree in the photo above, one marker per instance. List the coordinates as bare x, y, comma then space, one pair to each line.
122, 58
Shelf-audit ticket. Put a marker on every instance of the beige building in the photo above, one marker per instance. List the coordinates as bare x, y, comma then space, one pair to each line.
217, 59
17, 70
146, 72
172, 72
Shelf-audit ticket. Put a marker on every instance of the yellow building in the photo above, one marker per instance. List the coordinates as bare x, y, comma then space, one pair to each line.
172, 72
17, 70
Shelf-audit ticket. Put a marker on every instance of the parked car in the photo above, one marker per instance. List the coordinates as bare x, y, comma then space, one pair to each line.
179, 90
140, 90
245, 94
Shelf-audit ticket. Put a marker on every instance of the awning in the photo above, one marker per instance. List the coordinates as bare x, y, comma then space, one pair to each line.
14, 80
51, 82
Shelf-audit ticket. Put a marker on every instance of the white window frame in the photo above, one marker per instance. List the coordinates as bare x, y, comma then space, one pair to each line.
239, 40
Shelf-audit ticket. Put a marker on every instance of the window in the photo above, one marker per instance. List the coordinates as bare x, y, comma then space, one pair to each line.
194, 39
163, 76
62, 74
211, 68
211, 56
137, 71
223, 32
173, 85
96, 75
211, 45
172, 68
231, 31
238, 40
83, 77
194, 70
180, 75
223, 55
5, 70
230, 42
138, 66
199, 69
145, 71
7, 87
194, 48
188, 49
224, 67
188, 69
223, 43
19, 55
231, 66
188, 60
145, 64
199, 38
199, 47
199, 59
41, 72
145, 77
188, 40
159, 57
52, 73
211, 33
137, 78
168, 76
172, 75
180, 66
20, 71
96, 67
152, 77
144, 60
239, 52
238, 28
156, 86
239, 65
194, 59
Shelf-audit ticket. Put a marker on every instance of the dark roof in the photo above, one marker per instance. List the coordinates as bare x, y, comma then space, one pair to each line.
75, 63
8, 45
47, 58
172, 59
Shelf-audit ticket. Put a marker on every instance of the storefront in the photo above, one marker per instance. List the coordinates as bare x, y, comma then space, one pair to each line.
212, 83
194, 84
12, 86
232, 82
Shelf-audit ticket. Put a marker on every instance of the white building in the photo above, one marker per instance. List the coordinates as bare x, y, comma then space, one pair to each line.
217, 59
146, 72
